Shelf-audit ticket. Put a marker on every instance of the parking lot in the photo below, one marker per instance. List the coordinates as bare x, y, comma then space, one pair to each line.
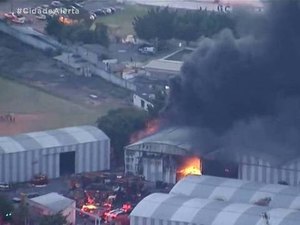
38, 22
105, 195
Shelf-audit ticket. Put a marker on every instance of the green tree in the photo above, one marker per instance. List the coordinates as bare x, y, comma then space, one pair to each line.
21, 214
56, 219
6, 209
156, 24
119, 125
54, 27
158, 104
101, 34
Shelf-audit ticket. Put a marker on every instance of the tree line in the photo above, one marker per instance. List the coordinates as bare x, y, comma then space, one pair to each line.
164, 24
80, 32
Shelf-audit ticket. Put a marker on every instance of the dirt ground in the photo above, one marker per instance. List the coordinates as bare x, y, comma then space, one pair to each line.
23, 123
22, 64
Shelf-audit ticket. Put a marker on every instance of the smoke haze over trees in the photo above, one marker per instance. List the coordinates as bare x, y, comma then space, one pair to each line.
246, 91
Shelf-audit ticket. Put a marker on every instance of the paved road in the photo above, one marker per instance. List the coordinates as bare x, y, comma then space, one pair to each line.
194, 4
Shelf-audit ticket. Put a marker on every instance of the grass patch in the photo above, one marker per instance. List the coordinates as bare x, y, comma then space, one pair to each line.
21, 99
121, 21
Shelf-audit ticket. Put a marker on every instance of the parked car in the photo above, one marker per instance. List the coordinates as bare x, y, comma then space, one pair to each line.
26, 195
9, 15
41, 17
78, 5
113, 10
108, 10
93, 16
99, 12
39, 180
111, 215
18, 19
57, 4
4, 186
147, 50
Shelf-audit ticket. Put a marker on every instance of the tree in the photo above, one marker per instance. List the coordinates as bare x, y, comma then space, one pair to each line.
158, 104
56, 219
21, 214
54, 27
101, 34
156, 24
164, 24
6, 209
119, 125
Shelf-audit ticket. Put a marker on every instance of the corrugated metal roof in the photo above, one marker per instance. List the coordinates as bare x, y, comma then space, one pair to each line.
199, 211
165, 65
281, 196
53, 201
184, 139
51, 138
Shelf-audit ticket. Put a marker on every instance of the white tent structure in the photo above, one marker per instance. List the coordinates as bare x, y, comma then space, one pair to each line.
53, 153
169, 209
225, 189
53, 203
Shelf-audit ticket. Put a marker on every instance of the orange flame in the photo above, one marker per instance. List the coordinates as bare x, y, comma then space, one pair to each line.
152, 127
191, 166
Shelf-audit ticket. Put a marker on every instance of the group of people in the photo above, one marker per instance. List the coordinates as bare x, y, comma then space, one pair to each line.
8, 118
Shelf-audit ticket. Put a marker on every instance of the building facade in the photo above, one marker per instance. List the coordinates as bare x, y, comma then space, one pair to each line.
53, 153
157, 157
51, 204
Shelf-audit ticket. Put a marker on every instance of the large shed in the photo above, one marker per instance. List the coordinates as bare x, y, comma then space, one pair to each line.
160, 209
233, 190
51, 204
156, 157
53, 153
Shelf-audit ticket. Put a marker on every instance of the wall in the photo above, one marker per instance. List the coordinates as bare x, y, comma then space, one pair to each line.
255, 169
98, 68
70, 213
159, 167
22, 166
31, 40
137, 101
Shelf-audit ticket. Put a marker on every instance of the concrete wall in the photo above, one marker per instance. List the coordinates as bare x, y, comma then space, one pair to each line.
39, 42
98, 68
137, 101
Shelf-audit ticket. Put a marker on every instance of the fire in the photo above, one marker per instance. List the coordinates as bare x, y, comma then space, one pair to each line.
152, 127
88, 207
191, 166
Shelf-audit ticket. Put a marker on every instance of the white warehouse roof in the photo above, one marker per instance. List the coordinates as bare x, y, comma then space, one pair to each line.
217, 188
51, 138
172, 140
53, 201
178, 209
163, 65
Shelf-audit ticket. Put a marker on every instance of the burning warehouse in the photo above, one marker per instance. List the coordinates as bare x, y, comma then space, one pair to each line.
165, 156
243, 92
173, 153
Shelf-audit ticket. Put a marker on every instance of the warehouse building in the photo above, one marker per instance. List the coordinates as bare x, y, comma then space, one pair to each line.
51, 204
161, 209
233, 190
157, 157
53, 153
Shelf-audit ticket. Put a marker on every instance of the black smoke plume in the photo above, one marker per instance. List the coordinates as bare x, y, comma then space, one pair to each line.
246, 90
